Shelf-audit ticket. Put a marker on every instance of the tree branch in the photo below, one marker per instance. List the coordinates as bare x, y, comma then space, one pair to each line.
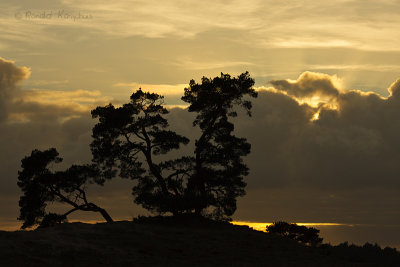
150, 163
140, 137
62, 197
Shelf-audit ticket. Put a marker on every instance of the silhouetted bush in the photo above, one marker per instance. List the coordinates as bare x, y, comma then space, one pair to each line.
52, 219
302, 234
368, 254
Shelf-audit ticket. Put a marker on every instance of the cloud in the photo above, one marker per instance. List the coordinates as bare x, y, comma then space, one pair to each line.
18, 105
266, 24
154, 19
357, 67
10, 77
308, 85
188, 63
53, 105
300, 24
352, 144
312, 43
47, 82
340, 167
394, 89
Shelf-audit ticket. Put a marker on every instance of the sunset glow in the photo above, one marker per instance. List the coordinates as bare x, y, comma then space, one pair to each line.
262, 226
323, 132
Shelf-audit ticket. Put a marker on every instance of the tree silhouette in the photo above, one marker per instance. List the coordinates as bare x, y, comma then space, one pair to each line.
40, 186
136, 133
302, 234
219, 169
127, 141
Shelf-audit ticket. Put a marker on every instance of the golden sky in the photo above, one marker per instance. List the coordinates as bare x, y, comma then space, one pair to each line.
325, 126
96, 45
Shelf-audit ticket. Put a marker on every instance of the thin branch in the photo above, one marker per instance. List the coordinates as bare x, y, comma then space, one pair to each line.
83, 194
139, 136
78, 195
150, 163
63, 198
132, 143
177, 173
137, 152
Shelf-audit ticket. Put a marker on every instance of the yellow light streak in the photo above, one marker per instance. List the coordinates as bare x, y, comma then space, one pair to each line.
260, 226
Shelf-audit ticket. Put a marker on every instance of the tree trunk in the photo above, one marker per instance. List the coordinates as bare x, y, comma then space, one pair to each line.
105, 215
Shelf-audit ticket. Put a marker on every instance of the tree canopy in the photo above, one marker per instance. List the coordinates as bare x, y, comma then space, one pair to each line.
217, 178
127, 141
129, 137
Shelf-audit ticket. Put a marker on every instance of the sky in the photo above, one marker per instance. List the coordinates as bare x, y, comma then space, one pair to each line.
325, 127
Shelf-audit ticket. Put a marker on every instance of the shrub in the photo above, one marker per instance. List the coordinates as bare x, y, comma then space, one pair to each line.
302, 234
52, 219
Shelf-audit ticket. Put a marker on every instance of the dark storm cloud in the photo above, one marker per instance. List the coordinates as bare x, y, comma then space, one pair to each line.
341, 166
10, 77
352, 143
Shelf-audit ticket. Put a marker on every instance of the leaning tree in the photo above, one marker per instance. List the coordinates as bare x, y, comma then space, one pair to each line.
41, 185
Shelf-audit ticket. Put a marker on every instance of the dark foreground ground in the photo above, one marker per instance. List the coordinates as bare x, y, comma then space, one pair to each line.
167, 242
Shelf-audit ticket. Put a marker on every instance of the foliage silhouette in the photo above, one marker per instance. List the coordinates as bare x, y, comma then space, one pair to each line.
136, 133
127, 141
52, 219
219, 169
302, 234
40, 186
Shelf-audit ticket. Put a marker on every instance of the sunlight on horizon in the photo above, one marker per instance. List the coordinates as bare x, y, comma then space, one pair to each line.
260, 226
